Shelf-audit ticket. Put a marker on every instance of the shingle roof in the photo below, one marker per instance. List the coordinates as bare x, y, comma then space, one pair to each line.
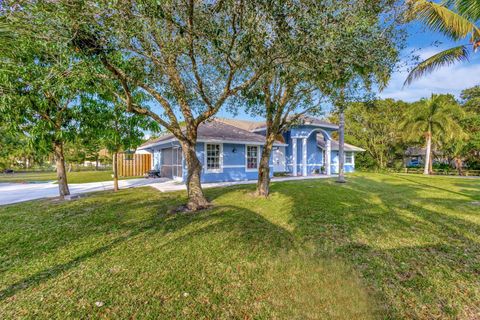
348, 147
243, 124
254, 125
216, 130
316, 121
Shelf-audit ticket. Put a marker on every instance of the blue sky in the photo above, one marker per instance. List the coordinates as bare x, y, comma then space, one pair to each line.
452, 79
423, 43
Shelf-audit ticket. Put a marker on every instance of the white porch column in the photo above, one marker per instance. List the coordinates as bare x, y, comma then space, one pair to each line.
294, 158
304, 157
328, 156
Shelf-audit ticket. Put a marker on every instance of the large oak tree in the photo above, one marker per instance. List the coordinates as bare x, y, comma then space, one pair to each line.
325, 48
189, 56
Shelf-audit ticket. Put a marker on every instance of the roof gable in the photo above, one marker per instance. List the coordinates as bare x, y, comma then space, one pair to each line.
215, 130
335, 145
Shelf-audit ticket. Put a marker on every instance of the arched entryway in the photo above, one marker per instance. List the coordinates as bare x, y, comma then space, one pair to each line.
299, 142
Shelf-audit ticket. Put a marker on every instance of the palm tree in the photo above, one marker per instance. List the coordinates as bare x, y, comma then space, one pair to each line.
434, 118
454, 18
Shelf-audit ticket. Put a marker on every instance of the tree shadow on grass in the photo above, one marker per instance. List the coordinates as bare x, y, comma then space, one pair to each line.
56, 270
469, 192
249, 230
35, 228
416, 252
414, 257
231, 255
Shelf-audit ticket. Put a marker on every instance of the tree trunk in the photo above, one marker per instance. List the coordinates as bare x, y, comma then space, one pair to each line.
115, 171
458, 166
263, 182
428, 152
96, 162
60, 165
341, 146
196, 198
430, 165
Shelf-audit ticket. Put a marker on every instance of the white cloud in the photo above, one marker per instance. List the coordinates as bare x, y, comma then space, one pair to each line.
452, 79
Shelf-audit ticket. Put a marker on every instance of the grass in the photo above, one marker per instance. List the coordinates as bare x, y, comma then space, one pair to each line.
72, 177
380, 246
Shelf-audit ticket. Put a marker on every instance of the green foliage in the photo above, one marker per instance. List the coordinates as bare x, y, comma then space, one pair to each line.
441, 59
471, 124
455, 19
51, 95
39, 89
325, 48
375, 126
440, 115
386, 128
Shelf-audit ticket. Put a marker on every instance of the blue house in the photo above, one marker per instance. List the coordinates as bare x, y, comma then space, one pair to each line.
230, 150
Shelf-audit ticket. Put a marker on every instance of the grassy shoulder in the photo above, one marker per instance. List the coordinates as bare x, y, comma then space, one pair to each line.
73, 177
380, 246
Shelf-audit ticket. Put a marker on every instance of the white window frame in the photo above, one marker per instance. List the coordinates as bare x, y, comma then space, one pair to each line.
246, 157
220, 170
345, 160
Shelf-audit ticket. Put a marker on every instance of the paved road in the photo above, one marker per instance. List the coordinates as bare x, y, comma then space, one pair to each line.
19, 192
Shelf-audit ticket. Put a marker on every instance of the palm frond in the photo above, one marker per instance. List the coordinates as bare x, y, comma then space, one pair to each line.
440, 18
468, 8
436, 61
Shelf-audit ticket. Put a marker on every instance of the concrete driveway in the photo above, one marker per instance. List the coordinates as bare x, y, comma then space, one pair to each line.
19, 192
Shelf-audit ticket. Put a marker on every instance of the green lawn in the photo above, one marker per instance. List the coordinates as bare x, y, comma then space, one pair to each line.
73, 177
380, 246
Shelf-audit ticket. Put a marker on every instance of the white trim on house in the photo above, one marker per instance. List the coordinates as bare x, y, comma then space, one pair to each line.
345, 158
246, 157
206, 170
328, 156
151, 145
304, 157
350, 146
294, 157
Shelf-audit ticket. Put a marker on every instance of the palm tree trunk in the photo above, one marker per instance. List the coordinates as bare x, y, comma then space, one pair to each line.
430, 165
428, 152
341, 146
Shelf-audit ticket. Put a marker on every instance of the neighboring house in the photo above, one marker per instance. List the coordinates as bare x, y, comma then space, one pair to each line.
415, 157
230, 150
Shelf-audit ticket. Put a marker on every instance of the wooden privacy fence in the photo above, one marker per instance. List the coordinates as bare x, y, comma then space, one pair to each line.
134, 165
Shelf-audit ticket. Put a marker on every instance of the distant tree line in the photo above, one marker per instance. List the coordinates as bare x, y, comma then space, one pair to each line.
446, 129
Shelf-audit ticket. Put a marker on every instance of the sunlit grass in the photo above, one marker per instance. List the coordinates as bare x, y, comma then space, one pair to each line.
380, 246
72, 177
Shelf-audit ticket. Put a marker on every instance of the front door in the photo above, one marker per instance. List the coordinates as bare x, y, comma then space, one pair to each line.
279, 163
